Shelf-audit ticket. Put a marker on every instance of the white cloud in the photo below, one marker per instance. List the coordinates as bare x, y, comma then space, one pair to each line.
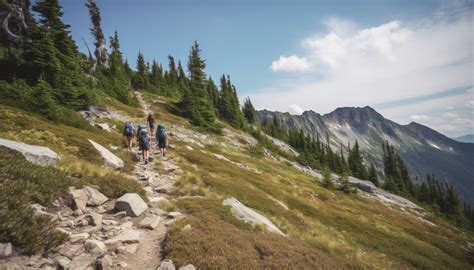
469, 103
291, 63
385, 63
295, 109
419, 117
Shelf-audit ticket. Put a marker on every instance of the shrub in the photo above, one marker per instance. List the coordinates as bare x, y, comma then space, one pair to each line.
327, 179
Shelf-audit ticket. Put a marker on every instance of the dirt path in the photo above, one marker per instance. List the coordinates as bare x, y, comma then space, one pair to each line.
149, 253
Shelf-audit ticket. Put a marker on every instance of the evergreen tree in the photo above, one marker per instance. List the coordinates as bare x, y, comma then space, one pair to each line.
213, 94
195, 101
328, 182
249, 111
372, 177
140, 78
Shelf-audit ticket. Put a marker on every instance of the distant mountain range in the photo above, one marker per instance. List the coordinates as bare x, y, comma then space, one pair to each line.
425, 150
469, 138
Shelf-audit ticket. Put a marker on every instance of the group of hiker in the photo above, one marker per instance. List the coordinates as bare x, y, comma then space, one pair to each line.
144, 136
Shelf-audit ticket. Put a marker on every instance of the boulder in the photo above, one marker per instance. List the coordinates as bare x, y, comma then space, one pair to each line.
35, 154
150, 222
86, 196
111, 160
127, 237
5, 249
187, 267
82, 262
78, 199
166, 265
250, 216
132, 203
95, 247
174, 215
95, 198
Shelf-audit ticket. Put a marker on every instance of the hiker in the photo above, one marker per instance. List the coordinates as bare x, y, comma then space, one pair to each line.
151, 122
139, 129
128, 134
161, 138
144, 144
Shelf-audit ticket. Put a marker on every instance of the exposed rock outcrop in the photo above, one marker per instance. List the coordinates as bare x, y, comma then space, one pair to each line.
249, 215
132, 204
111, 160
35, 154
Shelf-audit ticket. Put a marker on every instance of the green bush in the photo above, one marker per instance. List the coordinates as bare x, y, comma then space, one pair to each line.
21, 183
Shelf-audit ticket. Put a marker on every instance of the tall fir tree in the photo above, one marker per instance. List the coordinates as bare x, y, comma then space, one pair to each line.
249, 111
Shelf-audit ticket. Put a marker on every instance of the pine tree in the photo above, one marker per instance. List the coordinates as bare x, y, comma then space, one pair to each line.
373, 175
213, 94
140, 78
328, 182
195, 101
249, 111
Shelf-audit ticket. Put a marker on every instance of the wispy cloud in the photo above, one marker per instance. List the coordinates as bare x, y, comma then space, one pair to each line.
351, 66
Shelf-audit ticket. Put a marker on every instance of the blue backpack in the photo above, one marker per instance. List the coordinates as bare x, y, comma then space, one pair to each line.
161, 133
143, 140
128, 130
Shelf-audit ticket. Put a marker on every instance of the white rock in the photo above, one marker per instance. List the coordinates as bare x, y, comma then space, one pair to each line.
95, 198
79, 199
128, 249
63, 263
132, 203
187, 267
103, 126
83, 262
5, 249
150, 222
127, 237
78, 237
95, 247
35, 154
94, 219
174, 215
164, 188
250, 216
188, 227
189, 148
111, 160
166, 265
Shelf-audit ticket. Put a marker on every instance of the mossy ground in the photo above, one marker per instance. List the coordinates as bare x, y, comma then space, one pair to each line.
332, 228
326, 228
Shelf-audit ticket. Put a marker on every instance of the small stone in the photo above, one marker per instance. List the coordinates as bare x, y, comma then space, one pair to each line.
126, 225
120, 214
189, 148
174, 215
5, 249
63, 263
128, 237
94, 219
188, 227
122, 264
79, 199
166, 265
110, 221
164, 188
78, 212
128, 249
79, 237
187, 267
95, 247
150, 222
104, 262
83, 261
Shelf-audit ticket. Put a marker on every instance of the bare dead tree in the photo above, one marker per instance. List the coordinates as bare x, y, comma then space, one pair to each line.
14, 17
101, 55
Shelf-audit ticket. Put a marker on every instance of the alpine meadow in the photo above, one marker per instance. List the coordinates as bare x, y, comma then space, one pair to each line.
236, 134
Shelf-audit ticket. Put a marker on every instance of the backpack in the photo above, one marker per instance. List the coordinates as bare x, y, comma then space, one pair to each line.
128, 130
143, 140
140, 128
161, 132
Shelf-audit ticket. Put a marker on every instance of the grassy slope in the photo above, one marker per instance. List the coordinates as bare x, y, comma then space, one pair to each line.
326, 228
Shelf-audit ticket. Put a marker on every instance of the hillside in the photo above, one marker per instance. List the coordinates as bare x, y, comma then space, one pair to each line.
424, 150
319, 227
468, 138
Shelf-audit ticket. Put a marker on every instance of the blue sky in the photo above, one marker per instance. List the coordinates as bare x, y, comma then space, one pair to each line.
293, 54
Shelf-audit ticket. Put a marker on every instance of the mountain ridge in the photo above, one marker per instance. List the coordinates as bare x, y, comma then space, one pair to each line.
425, 150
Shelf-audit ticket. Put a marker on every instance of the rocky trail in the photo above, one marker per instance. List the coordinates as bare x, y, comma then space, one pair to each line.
104, 233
